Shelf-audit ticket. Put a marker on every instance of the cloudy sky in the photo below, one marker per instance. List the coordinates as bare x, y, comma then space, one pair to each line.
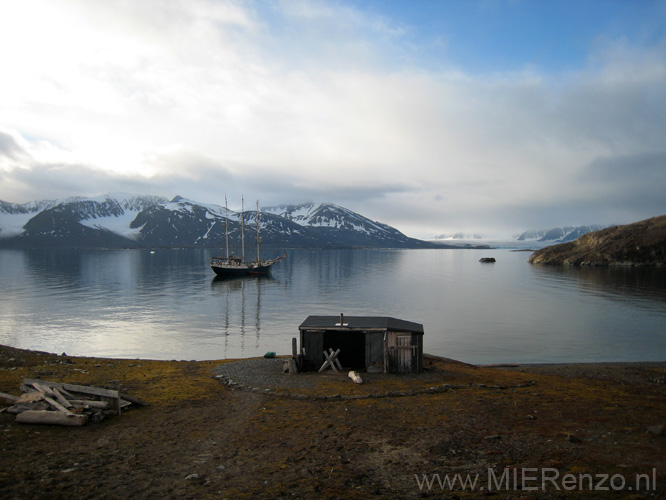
490, 116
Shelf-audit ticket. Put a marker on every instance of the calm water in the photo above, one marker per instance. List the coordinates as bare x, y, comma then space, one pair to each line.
168, 305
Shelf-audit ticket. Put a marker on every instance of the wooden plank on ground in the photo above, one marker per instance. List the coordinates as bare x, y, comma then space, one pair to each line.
83, 403
8, 397
115, 384
57, 405
42, 388
83, 389
30, 397
133, 400
50, 417
61, 399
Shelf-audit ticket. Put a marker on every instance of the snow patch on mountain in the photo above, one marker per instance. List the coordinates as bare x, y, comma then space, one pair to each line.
116, 224
12, 224
458, 236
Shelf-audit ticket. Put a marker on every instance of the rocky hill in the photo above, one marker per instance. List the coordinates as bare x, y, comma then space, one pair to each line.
639, 244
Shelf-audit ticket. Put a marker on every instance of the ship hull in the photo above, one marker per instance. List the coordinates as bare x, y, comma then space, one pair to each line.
234, 267
235, 271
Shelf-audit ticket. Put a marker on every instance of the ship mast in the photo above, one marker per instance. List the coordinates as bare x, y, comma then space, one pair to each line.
258, 237
226, 223
243, 228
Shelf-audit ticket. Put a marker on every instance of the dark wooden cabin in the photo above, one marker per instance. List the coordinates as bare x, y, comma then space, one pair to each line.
378, 343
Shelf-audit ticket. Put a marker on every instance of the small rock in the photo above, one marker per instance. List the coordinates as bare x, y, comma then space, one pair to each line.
574, 439
192, 476
658, 430
495, 437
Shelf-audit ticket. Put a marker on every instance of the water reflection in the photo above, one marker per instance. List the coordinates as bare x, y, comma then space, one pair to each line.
242, 306
618, 283
170, 305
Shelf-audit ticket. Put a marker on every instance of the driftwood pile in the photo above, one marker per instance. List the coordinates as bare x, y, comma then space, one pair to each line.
43, 402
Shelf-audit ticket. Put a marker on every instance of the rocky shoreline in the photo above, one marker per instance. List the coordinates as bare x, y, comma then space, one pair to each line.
639, 244
241, 429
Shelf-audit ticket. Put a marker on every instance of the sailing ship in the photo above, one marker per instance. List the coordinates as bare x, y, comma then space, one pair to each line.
233, 266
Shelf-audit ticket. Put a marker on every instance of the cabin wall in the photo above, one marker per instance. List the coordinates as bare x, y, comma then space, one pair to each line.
399, 352
358, 349
313, 343
404, 352
374, 348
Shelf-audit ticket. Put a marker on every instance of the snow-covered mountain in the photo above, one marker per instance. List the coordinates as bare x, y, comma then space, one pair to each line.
457, 236
558, 234
120, 220
338, 225
527, 239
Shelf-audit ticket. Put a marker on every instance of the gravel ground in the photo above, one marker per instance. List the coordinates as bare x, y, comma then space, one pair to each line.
267, 373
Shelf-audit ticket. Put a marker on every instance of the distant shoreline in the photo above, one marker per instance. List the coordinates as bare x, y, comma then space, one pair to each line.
547, 364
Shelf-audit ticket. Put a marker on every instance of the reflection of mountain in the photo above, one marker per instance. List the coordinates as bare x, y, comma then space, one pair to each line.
613, 282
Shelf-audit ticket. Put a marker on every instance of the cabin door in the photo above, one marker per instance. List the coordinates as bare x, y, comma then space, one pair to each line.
404, 355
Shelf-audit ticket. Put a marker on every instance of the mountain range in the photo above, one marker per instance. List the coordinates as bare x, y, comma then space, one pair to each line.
120, 220
543, 236
559, 234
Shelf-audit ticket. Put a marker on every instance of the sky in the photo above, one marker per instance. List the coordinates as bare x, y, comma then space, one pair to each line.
489, 116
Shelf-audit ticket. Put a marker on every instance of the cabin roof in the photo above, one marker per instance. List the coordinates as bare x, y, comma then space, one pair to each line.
360, 323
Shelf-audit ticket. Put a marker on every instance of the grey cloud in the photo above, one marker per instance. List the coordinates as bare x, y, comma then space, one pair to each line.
634, 183
9, 147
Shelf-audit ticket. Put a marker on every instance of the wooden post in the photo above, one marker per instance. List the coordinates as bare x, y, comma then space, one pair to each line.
335, 358
115, 386
330, 361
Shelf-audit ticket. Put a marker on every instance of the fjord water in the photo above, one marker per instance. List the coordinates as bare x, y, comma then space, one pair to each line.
169, 305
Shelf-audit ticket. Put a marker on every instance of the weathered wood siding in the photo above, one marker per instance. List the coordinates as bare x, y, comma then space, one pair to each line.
404, 352
313, 342
374, 348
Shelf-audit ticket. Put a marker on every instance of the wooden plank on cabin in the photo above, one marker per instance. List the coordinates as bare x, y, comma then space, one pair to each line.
50, 417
